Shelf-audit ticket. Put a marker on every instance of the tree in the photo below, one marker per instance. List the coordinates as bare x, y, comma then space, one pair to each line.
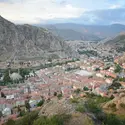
115, 85
19, 109
27, 105
77, 91
3, 95
97, 69
49, 60
40, 103
55, 93
1, 114
111, 119
34, 73
28, 119
85, 88
24, 72
118, 69
6, 78
59, 96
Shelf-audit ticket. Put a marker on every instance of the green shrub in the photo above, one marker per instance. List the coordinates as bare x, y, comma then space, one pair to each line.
55, 94
117, 68
100, 99
77, 91
7, 78
92, 95
28, 119
93, 107
85, 88
111, 119
59, 96
40, 103
122, 79
53, 120
80, 108
74, 100
115, 85
22, 113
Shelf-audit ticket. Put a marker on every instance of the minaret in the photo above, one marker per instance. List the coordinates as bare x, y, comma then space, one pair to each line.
93, 87
18, 71
9, 73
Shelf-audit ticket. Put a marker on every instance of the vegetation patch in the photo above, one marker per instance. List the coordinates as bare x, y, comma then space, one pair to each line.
74, 100
33, 119
80, 108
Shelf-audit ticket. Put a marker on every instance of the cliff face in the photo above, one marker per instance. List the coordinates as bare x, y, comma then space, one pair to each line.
26, 41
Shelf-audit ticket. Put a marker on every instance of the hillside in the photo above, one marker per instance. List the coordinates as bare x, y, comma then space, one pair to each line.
26, 41
120, 39
90, 110
117, 43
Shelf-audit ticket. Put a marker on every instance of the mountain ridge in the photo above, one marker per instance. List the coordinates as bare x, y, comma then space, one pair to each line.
91, 31
27, 41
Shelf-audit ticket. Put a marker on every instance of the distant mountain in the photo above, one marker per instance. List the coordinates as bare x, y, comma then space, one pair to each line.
85, 32
26, 41
69, 34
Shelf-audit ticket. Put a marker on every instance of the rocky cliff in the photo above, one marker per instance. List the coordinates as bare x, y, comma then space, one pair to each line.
26, 41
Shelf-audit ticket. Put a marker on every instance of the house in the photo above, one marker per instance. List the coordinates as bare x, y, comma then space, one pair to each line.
123, 66
111, 69
121, 75
94, 67
5, 104
100, 75
2, 104
66, 91
113, 75
123, 84
20, 102
99, 91
6, 111
10, 96
82, 67
13, 116
33, 103
109, 81
107, 73
116, 60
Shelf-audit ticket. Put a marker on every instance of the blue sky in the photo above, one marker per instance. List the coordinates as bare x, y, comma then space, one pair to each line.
93, 12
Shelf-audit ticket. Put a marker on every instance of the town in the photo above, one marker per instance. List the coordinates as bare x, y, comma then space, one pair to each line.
62, 78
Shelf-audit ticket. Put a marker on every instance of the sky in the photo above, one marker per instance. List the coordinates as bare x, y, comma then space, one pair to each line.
90, 12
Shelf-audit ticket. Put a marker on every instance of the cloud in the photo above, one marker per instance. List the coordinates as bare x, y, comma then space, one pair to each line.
115, 6
56, 11
108, 16
37, 11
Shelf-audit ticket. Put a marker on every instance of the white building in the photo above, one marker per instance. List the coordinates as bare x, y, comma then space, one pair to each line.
6, 112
